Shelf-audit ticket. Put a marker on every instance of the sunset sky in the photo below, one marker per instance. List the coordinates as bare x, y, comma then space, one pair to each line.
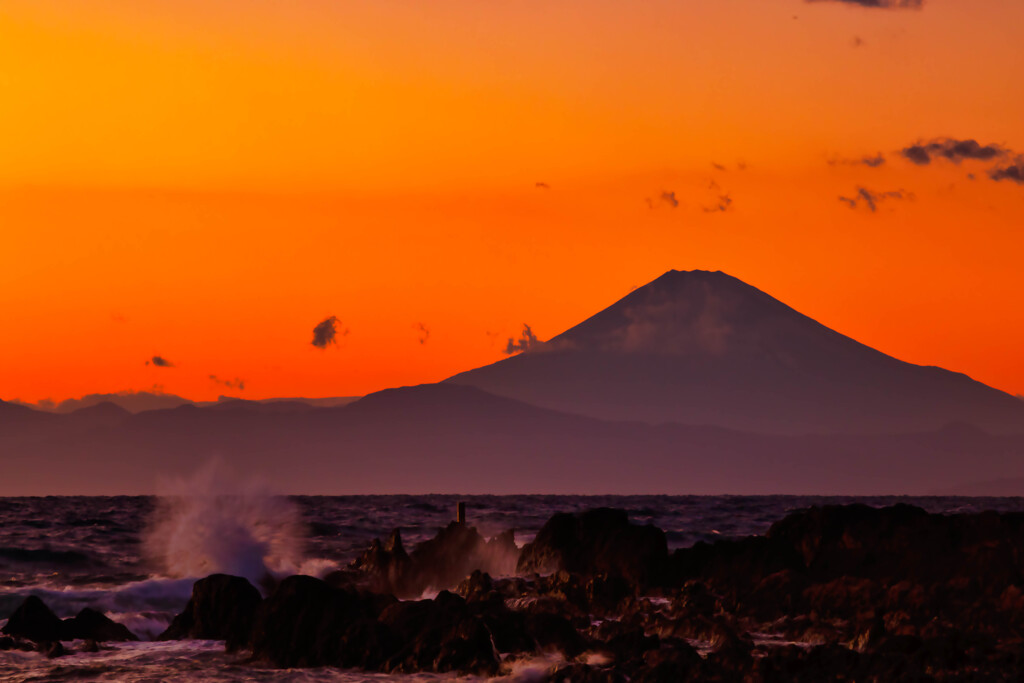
204, 181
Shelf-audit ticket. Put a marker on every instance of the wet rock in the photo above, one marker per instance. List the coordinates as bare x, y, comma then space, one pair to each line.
52, 650
555, 632
437, 563
439, 635
95, 626
628, 647
582, 673
733, 568
222, 607
387, 565
477, 586
675, 661
306, 622
843, 597
776, 595
600, 541
34, 621
903, 542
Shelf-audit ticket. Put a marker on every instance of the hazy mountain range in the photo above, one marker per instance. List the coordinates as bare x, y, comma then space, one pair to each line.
695, 383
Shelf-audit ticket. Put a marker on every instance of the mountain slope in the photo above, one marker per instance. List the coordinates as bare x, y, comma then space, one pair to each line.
705, 348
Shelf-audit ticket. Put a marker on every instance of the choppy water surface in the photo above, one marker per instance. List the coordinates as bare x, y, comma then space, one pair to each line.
101, 552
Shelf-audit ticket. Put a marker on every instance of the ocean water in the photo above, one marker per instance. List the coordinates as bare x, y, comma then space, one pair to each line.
136, 558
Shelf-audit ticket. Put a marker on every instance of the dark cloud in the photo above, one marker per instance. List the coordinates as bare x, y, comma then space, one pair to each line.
527, 340
871, 199
922, 152
879, 4
722, 203
542, 186
857, 41
160, 362
665, 197
718, 167
869, 161
326, 333
917, 154
424, 333
229, 383
1013, 172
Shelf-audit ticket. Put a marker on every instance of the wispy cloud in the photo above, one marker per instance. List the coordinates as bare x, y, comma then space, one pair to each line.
870, 199
878, 4
871, 161
326, 332
527, 340
424, 333
721, 204
229, 383
666, 197
542, 186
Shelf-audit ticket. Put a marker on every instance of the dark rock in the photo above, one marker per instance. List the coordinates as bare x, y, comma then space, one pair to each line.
306, 622
600, 541
387, 565
440, 635
6, 643
53, 649
733, 568
477, 586
437, 563
222, 607
630, 645
843, 597
555, 632
904, 542
95, 626
673, 662
775, 595
35, 621
581, 673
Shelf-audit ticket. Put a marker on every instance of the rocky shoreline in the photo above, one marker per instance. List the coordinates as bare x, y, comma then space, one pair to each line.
829, 593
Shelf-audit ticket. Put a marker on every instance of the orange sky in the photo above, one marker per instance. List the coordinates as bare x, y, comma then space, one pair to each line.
208, 179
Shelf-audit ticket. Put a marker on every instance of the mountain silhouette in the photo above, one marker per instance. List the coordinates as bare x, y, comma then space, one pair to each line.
704, 348
451, 438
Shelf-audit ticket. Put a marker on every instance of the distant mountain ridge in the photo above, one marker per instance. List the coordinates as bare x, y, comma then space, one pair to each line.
704, 348
141, 401
456, 439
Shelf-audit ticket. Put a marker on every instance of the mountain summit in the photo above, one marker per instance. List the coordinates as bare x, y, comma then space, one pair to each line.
700, 347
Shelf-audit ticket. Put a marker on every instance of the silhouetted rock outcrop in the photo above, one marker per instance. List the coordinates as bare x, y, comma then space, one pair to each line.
600, 541
438, 563
306, 622
34, 621
222, 607
89, 624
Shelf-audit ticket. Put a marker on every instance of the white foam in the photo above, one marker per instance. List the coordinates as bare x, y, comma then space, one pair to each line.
215, 522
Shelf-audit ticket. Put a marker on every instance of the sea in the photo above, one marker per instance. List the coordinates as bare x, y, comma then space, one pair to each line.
136, 557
